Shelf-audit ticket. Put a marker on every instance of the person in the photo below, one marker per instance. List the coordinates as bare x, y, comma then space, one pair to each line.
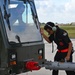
16, 19
63, 42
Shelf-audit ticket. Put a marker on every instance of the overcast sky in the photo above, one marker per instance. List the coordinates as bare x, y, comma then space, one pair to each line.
60, 11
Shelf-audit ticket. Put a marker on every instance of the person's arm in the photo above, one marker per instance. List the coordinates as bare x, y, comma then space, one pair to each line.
68, 41
69, 51
44, 36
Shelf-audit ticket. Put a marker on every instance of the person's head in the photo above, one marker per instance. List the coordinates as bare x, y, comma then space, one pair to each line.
50, 27
20, 9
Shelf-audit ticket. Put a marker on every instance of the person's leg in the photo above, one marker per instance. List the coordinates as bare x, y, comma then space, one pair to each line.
56, 58
70, 72
55, 72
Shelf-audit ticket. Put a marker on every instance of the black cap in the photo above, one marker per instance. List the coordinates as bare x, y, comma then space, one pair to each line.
49, 25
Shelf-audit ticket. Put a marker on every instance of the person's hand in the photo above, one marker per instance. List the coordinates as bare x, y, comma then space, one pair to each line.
67, 58
42, 31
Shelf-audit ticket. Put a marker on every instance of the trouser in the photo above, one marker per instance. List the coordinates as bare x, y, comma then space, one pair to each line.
61, 56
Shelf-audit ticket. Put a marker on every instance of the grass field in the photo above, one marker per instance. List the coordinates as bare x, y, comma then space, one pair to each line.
70, 29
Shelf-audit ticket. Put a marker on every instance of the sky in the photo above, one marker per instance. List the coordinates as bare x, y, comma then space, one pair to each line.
57, 11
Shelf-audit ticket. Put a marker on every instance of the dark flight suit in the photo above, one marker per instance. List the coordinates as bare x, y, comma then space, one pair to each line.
60, 37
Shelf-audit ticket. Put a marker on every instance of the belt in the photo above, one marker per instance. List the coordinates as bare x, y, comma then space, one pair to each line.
64, 50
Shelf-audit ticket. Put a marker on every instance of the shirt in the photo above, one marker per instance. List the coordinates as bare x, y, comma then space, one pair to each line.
61, 38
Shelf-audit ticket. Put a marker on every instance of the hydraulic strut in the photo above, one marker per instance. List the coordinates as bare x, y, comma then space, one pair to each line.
69, 66
59, 65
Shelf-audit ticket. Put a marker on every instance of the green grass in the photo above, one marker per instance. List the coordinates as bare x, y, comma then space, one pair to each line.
70, 29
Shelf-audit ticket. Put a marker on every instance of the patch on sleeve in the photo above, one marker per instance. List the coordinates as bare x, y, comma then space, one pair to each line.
64, 33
